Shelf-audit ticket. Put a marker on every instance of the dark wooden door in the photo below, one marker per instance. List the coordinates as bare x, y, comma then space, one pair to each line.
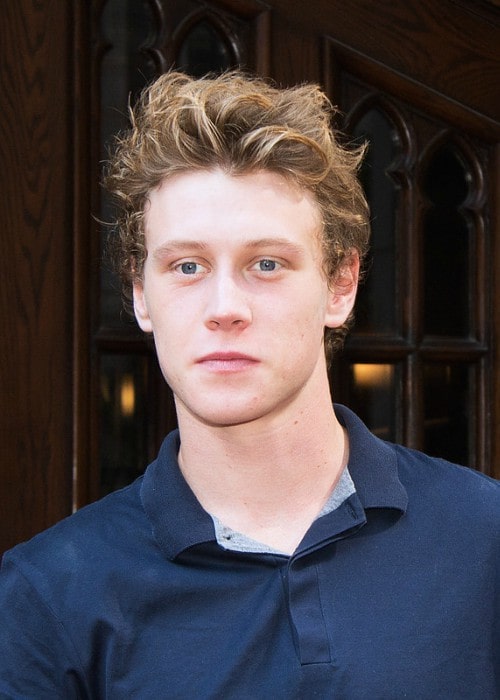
83, 405
36, 281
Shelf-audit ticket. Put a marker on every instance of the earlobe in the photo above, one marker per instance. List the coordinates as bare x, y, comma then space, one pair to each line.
342, 292
140, 308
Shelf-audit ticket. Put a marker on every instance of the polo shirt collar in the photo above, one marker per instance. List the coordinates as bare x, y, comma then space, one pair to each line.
373, 465
177, 517
179, 521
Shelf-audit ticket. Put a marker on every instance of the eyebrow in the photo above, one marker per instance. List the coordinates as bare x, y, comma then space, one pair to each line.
174, 246
269, 242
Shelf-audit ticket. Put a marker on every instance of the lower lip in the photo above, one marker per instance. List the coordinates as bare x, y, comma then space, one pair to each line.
227, 366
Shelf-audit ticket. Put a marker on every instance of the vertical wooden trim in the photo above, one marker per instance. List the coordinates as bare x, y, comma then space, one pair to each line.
494, 369
82, 229
481, 275
262, 48
412, 295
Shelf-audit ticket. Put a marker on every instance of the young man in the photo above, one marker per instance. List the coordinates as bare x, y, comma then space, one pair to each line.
275, 548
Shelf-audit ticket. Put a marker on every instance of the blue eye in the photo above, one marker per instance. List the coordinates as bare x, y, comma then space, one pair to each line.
267, 265
189, 268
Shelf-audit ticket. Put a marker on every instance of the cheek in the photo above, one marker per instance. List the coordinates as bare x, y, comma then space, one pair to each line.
299, 333
166, 309
170, 331
309, 318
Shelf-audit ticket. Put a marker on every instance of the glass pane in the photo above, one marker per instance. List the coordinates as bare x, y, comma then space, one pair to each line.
447, 418
124, 420
446, 246
126, 68
204, 50
372, 395
376, 308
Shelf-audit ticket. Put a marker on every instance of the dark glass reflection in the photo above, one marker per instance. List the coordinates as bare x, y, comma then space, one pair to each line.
447, 285
203, 50
126, 26
124, 424
447, 422
372, 395
377, 305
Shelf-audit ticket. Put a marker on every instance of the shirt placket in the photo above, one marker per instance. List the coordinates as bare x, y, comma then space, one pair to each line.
302, 580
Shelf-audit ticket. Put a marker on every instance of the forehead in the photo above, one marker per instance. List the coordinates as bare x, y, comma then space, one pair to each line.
213, 203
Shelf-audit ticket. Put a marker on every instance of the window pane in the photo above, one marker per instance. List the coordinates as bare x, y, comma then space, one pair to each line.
126, 68
372, 395
204, 50
446, 246
447, 418
124, 420
376, 308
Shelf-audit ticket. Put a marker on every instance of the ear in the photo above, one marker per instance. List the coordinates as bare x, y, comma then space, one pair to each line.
342, 291
140, 307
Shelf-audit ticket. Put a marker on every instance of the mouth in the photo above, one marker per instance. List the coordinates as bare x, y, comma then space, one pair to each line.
226, 362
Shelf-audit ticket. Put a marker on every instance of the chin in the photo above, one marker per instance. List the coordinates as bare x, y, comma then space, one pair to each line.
228, 419
234, 408
224, 416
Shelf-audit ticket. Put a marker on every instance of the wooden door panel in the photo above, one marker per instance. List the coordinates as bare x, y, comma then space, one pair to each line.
433, 69
450, 46
399, 57
36, 277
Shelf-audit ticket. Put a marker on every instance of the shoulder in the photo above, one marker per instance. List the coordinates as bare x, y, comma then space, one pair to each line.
84, 541
438, 471
451, 491
431, 483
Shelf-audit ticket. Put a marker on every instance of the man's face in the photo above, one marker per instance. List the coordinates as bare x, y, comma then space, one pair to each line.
234, 293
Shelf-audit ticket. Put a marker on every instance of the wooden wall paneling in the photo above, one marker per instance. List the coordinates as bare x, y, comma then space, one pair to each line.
36, 280
295, 54
451, 46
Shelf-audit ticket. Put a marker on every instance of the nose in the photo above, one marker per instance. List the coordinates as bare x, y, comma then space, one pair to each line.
227, 305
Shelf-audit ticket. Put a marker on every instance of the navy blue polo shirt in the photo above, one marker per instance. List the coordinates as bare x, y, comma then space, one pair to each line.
394, 594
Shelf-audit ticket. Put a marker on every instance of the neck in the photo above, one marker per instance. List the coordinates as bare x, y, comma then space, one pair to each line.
267, 479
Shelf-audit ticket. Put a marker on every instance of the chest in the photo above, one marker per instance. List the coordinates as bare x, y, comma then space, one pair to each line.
330, 625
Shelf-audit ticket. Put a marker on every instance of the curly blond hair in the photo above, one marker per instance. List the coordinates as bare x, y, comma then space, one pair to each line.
241, 124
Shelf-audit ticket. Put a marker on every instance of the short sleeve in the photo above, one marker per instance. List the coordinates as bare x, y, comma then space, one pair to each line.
34, 658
